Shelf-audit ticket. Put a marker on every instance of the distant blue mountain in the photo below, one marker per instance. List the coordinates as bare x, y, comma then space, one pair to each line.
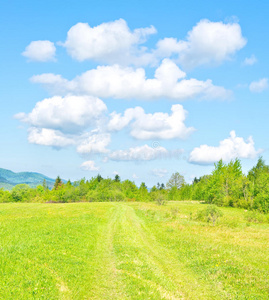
9, 179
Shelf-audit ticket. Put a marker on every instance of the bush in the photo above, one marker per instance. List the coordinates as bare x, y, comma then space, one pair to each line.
209, 214
159, 197
256, 217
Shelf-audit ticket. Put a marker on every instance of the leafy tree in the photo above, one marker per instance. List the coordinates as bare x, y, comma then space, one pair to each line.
143, 194
176, 180
117, 178
99, 178
68, 184
154, 188
173, 193
58, 183
44, 184
5, 196
21, 193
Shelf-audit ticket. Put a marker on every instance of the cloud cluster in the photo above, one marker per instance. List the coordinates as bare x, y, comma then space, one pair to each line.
64, 121
68, 114
210, 43
111, 42
114, 43
228, 149
49, 137
141, 153
94, 143
144, 153
41, 51
126, 82
152, 126
76, 116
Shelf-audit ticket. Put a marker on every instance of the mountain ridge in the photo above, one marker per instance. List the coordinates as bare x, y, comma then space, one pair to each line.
8, 179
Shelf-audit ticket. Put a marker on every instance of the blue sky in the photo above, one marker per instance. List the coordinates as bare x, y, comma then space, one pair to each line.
138, 88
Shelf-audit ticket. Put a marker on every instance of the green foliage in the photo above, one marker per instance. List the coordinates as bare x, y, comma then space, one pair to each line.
159, 196
5, 196
225, 186
21, 193
58, 183
256, 217
176, 180
209, 214
117, 178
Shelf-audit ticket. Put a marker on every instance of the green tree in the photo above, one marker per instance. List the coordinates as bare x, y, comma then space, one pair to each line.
176, 180
44, 184
21, 193
117, 178
99, 178
58, 183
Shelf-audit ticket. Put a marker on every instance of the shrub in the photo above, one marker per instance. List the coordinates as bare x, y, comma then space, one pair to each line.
209, 214
256, 217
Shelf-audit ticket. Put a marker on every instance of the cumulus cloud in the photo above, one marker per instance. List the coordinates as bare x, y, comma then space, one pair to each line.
259, 86
249, 61
49, 137
228, 149
111, 42
89, 166
159, 172
40, 51
68, 114
152, 126
141, 153
126, 82
95, 143
207, 43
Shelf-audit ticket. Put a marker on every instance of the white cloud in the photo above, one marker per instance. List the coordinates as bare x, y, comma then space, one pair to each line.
89, 166
95, 143
152, 126
228, 149
41, 51
211, 42
159, 172
249, 61
142, 153
259, 86
68, 114
207, 43
49, 137
125, 82
135, 176
111, 42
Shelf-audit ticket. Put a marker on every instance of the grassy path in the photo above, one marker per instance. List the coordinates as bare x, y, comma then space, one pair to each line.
128, 251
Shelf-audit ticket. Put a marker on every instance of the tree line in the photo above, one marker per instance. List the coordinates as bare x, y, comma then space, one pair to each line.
225, 186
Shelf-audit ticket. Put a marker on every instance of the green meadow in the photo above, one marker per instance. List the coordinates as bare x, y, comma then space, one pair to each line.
131, 251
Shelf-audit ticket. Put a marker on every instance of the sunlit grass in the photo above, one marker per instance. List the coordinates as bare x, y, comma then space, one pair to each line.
130, 251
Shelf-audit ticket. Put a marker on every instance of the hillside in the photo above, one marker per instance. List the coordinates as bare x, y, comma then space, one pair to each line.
9, 179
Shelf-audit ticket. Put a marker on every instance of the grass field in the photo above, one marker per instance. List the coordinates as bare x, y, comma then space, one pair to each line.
130, 251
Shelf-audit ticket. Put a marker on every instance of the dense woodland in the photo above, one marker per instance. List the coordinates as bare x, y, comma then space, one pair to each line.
225, 186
